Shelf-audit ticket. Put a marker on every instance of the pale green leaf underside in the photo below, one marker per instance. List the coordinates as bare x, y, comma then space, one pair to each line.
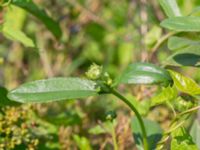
53, 89
170, 7
187, 24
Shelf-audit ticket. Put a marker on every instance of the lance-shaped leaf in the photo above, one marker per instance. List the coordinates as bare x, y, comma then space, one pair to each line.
54, 89
144, 73
170, 7
32, 8
188, 56
185, 84
187, 24
175, 43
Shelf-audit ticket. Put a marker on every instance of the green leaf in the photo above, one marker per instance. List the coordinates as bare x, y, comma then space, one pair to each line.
4, 101
17, 35
54, 89
165, 95
154, 133
185, 84
187, 24
32, 8
182, 140
195, 132
82, 142
144, 73
97, 130
189, 56
170, 7
152, 36
175, 43
13, 22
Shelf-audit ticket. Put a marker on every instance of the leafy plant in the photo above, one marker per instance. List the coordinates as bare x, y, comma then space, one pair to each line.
172, 89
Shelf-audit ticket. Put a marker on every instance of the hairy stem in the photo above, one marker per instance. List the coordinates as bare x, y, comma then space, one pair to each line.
144, 134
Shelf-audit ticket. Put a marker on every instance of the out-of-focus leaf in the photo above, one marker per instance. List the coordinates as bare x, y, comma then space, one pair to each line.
17, 35
175, 43
153, 36
32, 8
170, 7
187, 24
165, 95
15, 16
53, 89
195, 133
13, 22
185, 84
4, 101
97, 130
142, 106
145, 73
125, 53
82, 142
154, 133
189, 56
65, 118
182, 140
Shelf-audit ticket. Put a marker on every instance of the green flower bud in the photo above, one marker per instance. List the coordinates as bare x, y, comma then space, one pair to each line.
94, 72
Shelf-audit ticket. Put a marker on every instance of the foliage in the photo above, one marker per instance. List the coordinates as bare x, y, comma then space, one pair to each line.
145, 53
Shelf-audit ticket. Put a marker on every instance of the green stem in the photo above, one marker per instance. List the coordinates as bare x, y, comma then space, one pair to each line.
114, 137
144, 134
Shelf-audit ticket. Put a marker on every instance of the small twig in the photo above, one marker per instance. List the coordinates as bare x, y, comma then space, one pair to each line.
160, 42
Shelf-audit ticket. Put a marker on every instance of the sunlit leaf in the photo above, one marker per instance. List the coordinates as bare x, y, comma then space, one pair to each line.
170, 7
187, 24
53, 89
17, 35
165, 95
181, 140
185, 84
82, 142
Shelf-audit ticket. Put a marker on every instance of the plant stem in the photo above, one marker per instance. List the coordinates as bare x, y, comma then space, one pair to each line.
114, 137
144, 134
160, 42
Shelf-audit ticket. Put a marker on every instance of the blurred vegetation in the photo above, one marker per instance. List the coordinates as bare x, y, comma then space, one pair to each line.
109, 33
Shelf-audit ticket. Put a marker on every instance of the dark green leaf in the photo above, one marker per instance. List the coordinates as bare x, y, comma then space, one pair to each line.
175, 42
185, 84
154, 133
165, 95
4, 101
187, 24
32, 8
144, 73
170, 7
189, 56
53, 89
